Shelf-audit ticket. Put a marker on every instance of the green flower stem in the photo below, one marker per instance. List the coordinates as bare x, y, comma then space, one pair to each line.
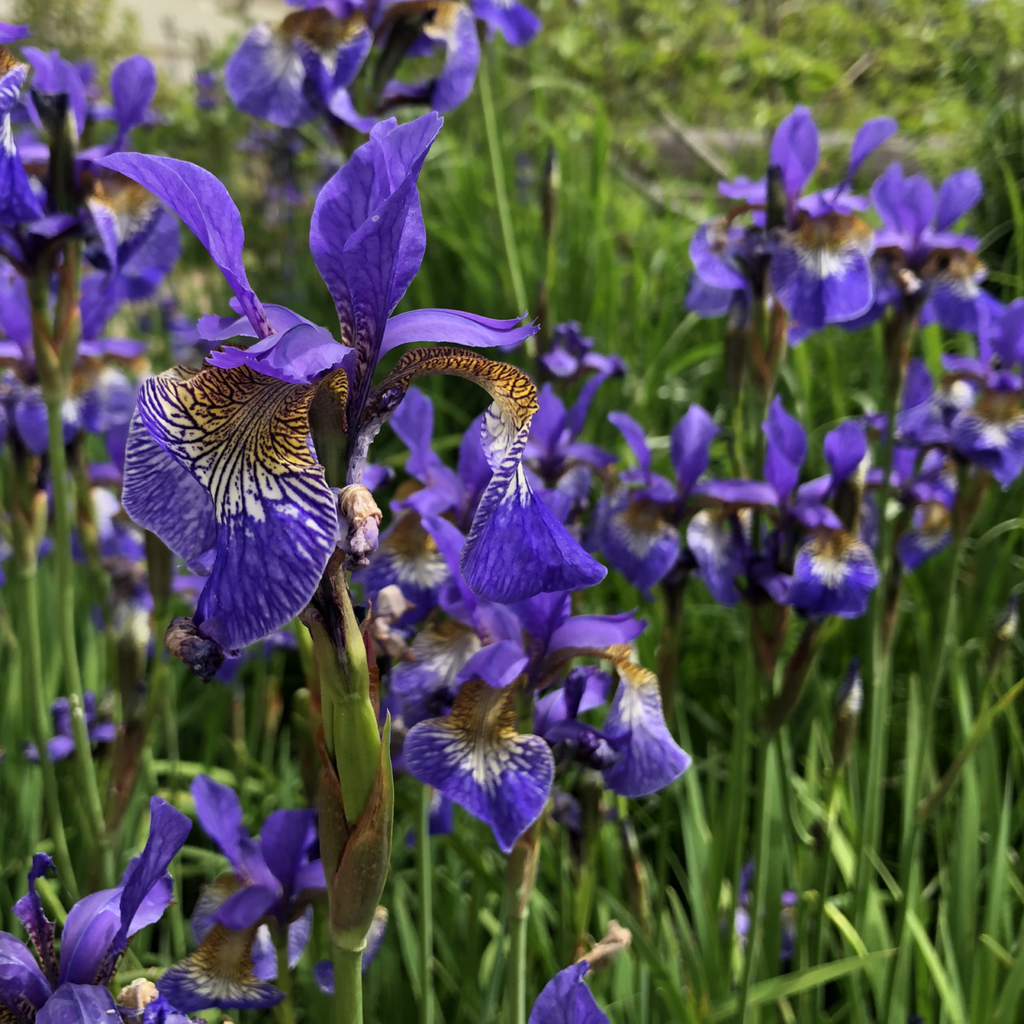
898, 345
424, 867
520, 874
30, 643
285, 1009
500, 187
348, 986
54, 384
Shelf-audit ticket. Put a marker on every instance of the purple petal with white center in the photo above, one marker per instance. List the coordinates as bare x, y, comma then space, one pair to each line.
714, 543
18, 203
689, 446
566, 999
651, 758
244, 437
786, 449
635, 538
498, 664
133, 87
834, 574
186, 525
992, 435
515, 21
79, 1004
822, 272
203, 203
476, 757
426, 686
452, 326
959, 193
794, 150
845, 448
265, 76
29, 910
929, 534
869, 137
301, 355
23, 988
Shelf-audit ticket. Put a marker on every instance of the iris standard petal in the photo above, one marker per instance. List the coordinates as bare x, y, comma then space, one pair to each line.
635, 436
794, 150
29, 910
285, 842
476, 757
203, 203
79, 1004
245, 439
958, 194
869, 137
566, 999
220, 814
689, 446
133, 87
497, 664
845, 448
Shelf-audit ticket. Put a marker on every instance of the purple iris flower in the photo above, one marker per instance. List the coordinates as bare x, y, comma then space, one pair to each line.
254, 507
515, 21
572, 353
70, 987
207, 89
566, 999
18, 201
636, 526
990, 433
272, 882
789, 899
12, 33
474, 754
916, 249
818, 259
62, 744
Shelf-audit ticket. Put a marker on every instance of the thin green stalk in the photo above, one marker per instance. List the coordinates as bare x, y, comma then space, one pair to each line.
285, 1009
424, 866
500, 187
66, 630
897, 351
520, 876
35, 696
348, 986
516, 998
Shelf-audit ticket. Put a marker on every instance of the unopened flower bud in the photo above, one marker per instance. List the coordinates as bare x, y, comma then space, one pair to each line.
359, 522
138, 995
188, 643
615, 940
1009, 620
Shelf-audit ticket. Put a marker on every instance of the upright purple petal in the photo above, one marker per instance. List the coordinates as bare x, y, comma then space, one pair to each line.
285, 841
794, 150
689, 446
29, 910
959, 193
133, 87
220, 814
845, 448
203, 203
869, 137
635, 436
12, 33
785, 451
79, 1004
18, 203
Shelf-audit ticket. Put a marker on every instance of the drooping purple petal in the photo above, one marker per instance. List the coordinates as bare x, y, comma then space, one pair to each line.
18, 203
635, 537
714, 543
203, 203
476, 757
244, 437
515, 21
265, 76
23, 987
834, 574
566, 999
301, 355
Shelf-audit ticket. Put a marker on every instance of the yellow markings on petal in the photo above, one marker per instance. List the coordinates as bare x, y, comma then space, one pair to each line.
243, 434
483, 732
620, 655
8, 62
321, 29
222, 967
